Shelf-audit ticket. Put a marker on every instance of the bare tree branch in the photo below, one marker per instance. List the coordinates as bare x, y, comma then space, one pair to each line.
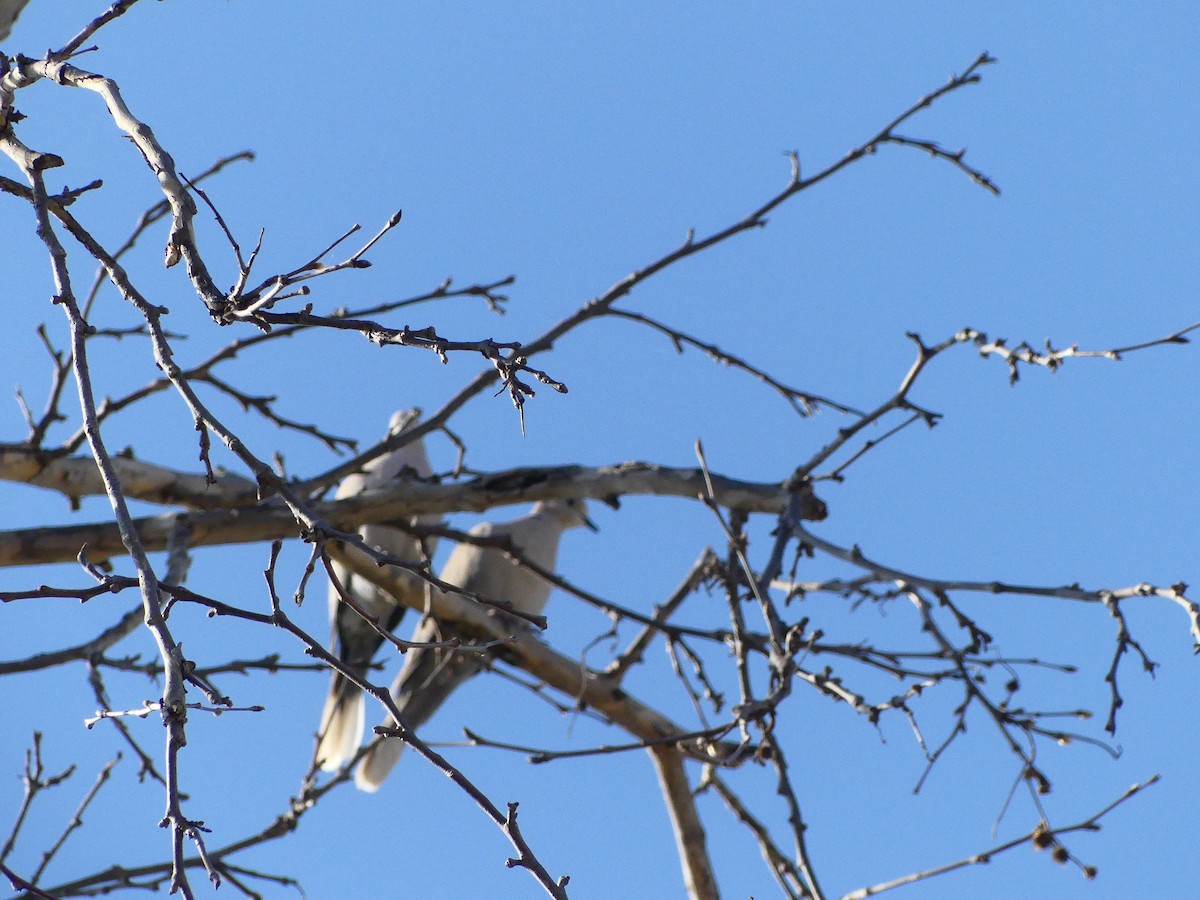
698, 876
271, 521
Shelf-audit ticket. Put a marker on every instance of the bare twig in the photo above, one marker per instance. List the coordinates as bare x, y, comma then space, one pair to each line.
76, 821
1041, 837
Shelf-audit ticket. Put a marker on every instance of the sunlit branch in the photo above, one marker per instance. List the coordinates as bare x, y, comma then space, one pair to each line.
270, 521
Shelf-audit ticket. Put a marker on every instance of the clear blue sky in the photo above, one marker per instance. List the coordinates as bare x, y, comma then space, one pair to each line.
568, 144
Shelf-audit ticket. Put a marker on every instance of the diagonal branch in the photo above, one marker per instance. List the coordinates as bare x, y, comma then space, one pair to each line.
522, 648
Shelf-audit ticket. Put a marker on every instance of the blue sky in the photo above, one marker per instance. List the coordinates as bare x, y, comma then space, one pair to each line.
569, 144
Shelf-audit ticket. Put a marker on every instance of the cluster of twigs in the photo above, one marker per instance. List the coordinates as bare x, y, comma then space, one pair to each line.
770, 645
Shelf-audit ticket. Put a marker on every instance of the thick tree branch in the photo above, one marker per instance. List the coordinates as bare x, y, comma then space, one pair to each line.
271, 521
77, 476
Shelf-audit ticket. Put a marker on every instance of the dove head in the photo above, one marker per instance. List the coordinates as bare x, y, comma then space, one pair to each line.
402, 419
569, 513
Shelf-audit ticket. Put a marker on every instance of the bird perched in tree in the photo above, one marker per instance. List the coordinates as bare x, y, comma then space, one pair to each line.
355, 641
429, 675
